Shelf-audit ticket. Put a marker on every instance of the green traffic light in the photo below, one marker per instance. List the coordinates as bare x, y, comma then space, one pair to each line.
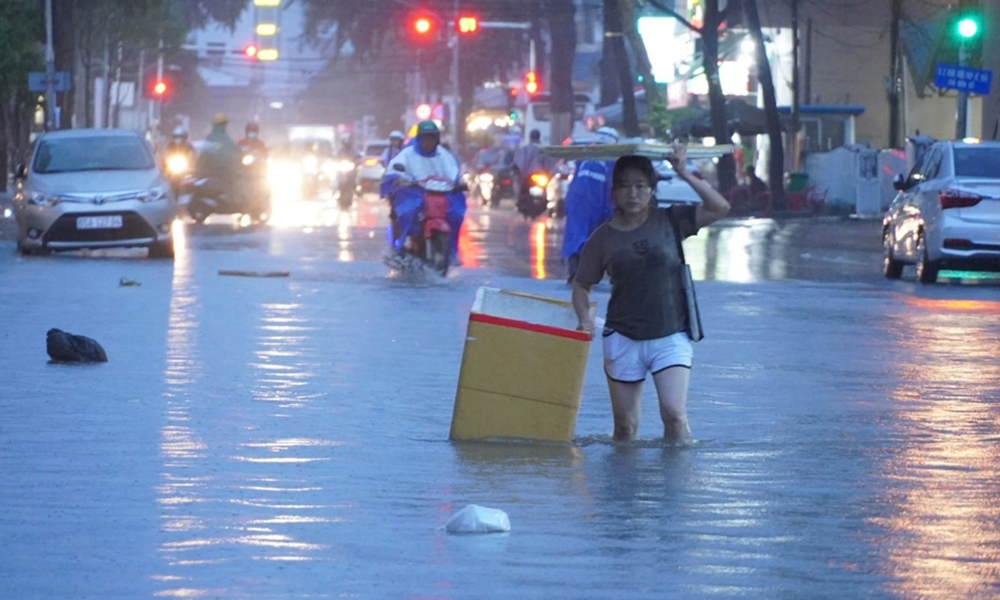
967, 27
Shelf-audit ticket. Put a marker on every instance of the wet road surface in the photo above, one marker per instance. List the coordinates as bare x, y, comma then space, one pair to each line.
287, 437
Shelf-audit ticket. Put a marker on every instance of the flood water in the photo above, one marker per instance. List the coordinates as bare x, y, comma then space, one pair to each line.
287, 437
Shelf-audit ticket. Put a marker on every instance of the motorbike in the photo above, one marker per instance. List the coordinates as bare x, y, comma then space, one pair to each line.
212, 195
532, 198
346, 187
426, 243
482, 188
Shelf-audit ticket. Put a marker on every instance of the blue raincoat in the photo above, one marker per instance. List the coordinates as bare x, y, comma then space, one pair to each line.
588, 204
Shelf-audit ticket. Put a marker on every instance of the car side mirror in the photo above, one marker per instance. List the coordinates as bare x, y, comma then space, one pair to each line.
399, 167
21, 172
899, 182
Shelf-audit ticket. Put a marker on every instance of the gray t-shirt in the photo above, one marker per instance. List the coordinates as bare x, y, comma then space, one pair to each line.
647, 300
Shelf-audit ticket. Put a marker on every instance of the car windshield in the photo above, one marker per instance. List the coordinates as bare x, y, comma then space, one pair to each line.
375, 149
981, 161
299, 148
93, 153
542, 111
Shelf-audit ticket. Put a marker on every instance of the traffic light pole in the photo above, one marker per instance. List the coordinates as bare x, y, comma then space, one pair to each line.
962, 110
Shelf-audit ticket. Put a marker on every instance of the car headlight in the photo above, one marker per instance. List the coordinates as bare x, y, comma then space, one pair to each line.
40, 199
154, 194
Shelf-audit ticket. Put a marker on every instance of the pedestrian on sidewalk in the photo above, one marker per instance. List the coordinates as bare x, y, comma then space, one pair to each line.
646, 325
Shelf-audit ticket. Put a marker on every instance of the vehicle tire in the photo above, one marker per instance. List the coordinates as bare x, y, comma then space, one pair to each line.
439, 252
23, 250
197, 211
162, 249
927, 270
345, 198
891, 268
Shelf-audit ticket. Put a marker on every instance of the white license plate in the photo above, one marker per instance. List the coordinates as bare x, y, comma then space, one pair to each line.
108, 222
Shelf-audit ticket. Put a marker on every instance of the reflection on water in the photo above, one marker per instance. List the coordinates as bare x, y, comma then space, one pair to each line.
538, 243
942, 497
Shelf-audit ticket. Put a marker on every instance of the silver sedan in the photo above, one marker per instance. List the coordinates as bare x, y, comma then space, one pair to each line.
93, 188
947, 212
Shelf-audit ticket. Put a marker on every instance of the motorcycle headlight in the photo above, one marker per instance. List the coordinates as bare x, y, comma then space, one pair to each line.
310, 163
247, 159
177, 164
345, 166
154, 194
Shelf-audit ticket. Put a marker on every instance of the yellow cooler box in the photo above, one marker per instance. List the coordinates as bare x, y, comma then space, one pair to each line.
522, 369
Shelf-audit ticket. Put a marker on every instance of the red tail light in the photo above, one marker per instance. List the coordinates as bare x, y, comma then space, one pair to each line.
958, 199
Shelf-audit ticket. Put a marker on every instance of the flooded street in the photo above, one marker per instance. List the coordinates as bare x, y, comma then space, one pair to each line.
287, 437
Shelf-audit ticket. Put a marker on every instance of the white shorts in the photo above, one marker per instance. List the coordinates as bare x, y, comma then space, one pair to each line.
629, 360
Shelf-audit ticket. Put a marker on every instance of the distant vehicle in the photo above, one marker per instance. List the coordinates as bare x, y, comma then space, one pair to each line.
93, 188
370, 170
672, 190
947, 212
311, 161
538, 115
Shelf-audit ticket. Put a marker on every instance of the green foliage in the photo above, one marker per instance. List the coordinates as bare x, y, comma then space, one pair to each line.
20, 34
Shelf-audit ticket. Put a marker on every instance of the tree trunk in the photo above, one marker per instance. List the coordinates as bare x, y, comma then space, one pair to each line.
894, 75
5, 108
776, 160
562, 29
726, 168
614, 37
610, 90
656, 103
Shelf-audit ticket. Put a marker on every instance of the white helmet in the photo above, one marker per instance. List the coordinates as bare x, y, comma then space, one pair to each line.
396, 135
607, 135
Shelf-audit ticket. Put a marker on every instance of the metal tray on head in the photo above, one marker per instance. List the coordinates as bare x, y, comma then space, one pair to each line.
616, 151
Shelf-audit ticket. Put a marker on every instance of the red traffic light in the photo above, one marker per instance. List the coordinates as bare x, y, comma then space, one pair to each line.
423, 26
250, 50
531, 85
160, 88
468, 24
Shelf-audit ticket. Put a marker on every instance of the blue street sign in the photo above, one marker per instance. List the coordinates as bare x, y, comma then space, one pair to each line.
37, 81
963, 79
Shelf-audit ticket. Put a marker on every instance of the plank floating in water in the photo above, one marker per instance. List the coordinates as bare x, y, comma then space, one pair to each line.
615, 151
254, 273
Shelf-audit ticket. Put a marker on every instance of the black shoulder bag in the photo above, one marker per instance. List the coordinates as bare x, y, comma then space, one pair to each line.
694, 330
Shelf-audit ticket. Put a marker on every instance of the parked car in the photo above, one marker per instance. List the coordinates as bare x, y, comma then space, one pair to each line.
946, 213
93, 188
370, 170
672, 190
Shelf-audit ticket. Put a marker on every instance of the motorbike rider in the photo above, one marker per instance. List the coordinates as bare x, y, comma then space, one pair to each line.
427, 163
396, 139
178, 146
220, 162
588, 201
528, 160
251, 142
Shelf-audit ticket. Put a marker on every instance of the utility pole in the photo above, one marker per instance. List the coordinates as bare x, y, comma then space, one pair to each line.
796, 141
962, 113
456, 100
894, 87
51, 122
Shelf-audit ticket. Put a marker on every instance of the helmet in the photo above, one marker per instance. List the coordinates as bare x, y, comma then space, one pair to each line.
607, 135
180, 132
428, 128
252, 127
396, 135
219, 119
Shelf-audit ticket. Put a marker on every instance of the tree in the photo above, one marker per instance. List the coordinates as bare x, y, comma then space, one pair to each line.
776, 158
713, 19
560, 15
20, 33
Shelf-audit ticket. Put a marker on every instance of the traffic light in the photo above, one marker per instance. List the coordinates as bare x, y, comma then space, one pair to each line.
158, 88
966, 32
468, 24
531, 85
250, 51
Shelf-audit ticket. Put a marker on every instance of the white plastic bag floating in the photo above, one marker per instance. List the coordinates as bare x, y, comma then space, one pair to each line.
478, 519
